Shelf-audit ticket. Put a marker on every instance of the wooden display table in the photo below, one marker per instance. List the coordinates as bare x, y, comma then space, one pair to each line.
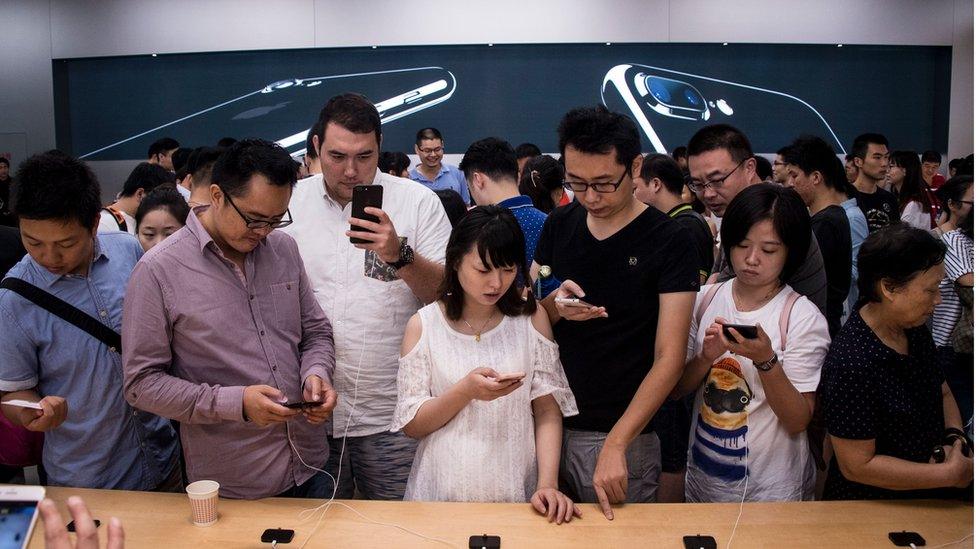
161, 521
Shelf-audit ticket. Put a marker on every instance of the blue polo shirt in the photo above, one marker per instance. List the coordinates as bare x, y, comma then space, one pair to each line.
104, 442
448, 178
530, 219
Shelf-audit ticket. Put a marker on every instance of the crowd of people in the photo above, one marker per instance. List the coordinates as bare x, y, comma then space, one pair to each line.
605, 327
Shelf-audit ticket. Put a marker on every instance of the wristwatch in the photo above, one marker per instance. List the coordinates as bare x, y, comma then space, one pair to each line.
406, 257
767, 365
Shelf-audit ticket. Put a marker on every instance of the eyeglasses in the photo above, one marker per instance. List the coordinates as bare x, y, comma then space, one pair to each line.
697, 186
434, 150
255, 224
581, 186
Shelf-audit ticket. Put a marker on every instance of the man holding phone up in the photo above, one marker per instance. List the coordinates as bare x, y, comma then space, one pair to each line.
631, 263
221, 329
370, 288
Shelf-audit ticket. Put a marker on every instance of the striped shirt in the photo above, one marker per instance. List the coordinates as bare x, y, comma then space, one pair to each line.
958, 261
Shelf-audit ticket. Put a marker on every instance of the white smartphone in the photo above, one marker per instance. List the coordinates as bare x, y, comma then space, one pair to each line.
669, 106
18, 514
512, 376
573, 302
22, 404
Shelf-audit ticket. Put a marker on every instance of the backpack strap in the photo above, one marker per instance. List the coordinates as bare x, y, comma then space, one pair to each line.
64, 310
119, 218
706, 301
784, 318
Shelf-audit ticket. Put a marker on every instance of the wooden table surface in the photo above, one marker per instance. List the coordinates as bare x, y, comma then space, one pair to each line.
162, 521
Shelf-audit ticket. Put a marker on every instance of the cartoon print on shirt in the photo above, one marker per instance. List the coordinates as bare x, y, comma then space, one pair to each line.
719, 446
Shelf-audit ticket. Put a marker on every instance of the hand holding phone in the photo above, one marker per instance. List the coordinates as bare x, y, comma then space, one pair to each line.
570, 306
365, 196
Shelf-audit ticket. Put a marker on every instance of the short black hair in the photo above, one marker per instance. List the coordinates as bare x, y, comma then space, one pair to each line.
201, 164
310, 150
860, 147
164, 197
664, 168
226, 142
53, 185
428, 133
353, 112
597, 130
180, 158
540, 176
931, 156
393, 162
160, 146
679, 152
781, 205
764, 169
495, 233
3, 160
147, 177
813, 154
721, 136
527, 150
491, 156
895, 254
453, 204
237, 165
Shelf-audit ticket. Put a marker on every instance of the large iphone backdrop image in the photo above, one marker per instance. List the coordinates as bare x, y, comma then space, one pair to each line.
112, 108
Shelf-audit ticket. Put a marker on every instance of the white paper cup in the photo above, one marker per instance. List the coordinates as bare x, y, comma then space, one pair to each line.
203, 501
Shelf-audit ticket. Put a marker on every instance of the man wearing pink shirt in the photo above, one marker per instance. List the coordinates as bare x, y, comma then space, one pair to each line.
221, 329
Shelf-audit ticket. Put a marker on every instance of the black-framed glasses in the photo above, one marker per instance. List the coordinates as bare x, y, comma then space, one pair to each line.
582, 186
697, 186
432, 150
255, 224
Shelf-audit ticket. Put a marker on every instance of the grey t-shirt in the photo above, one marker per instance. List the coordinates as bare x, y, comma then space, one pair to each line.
809, 280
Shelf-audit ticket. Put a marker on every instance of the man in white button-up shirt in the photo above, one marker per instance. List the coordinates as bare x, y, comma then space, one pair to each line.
369, 290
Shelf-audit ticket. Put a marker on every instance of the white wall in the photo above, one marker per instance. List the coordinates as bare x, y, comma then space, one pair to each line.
35, 31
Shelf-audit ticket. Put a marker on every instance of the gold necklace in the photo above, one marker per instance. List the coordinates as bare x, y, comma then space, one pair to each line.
477, 333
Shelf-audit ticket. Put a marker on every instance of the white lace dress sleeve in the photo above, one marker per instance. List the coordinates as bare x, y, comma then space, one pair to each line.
548, 377
413, 383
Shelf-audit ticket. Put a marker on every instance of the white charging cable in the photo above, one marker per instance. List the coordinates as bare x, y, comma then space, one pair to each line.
307, 514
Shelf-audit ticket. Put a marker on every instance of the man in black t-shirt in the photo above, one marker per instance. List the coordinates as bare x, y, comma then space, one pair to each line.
631, 263
817, 175
880, 207
659, 185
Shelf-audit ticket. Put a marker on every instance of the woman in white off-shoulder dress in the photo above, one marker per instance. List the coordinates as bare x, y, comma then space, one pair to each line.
480, 382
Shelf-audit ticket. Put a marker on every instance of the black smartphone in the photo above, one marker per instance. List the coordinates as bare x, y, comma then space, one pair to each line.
301, 405
71, 525
699, 542
365, 196
746, 331
277, 535
484, 541
906, 539
670, 106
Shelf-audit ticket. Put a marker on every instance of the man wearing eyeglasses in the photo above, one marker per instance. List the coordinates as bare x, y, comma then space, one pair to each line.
432, 172
721, 165
623, 350
221, 329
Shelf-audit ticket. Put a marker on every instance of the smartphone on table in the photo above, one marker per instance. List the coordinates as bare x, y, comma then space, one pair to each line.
18, 514
365, 196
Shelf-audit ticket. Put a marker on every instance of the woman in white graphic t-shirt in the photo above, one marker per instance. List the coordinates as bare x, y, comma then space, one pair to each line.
480, 381
755, 385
